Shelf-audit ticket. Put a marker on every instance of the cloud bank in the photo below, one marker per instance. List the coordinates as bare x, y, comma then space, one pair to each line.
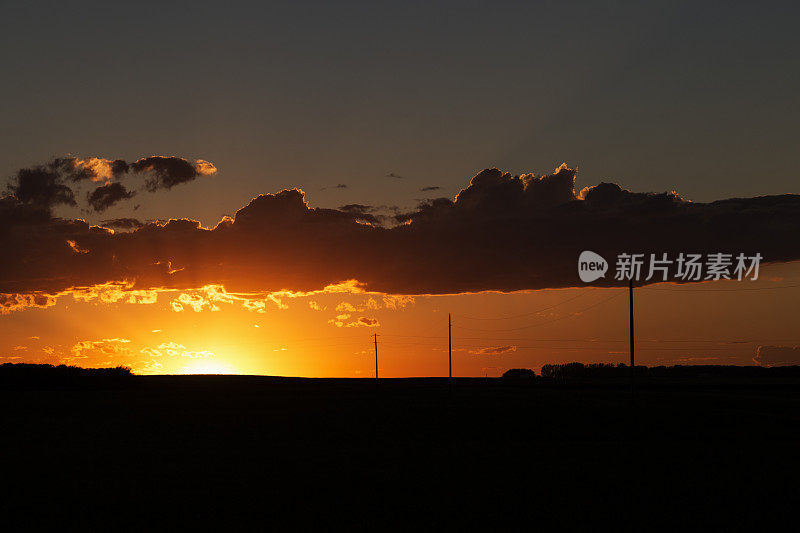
501, 233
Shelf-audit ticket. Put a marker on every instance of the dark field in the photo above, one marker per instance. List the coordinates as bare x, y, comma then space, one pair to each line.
280, 453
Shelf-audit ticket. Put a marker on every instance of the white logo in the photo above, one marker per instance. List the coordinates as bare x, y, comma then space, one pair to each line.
591, 266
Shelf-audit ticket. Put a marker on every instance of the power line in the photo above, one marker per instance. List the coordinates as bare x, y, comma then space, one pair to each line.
668, 289
546, 321
596, 340
523, 314
546, 347
357, 341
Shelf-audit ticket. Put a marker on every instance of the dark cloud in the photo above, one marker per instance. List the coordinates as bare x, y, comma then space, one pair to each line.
119, 167
105, 196
431, 188
41, 186
341, 186
777, 355
13, 213
357, 208
123, 223
502, 232
48, 185
396, 176
166, 172
363, 213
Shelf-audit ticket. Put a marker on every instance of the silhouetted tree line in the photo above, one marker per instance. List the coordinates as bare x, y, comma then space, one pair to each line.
519, 373
23, 375
621, 370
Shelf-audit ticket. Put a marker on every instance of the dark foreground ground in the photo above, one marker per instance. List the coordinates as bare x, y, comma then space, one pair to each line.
270, 453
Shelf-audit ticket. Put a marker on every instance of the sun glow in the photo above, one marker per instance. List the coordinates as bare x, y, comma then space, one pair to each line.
208, 367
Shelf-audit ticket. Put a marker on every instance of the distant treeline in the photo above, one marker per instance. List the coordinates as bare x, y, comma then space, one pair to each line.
26, 374
603, 371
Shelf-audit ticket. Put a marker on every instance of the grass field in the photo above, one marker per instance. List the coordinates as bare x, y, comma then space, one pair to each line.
284, 453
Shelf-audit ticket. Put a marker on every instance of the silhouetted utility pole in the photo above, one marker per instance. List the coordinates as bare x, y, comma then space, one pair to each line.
376, 356
449, 347
630, 327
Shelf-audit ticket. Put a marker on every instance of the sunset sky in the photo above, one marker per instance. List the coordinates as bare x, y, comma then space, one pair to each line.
214, 189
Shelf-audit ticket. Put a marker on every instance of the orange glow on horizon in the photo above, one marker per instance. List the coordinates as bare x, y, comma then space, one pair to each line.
212, 331
208, 367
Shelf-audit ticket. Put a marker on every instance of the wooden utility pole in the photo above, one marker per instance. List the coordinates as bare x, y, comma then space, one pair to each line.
449, 347
630, 327
376, 356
